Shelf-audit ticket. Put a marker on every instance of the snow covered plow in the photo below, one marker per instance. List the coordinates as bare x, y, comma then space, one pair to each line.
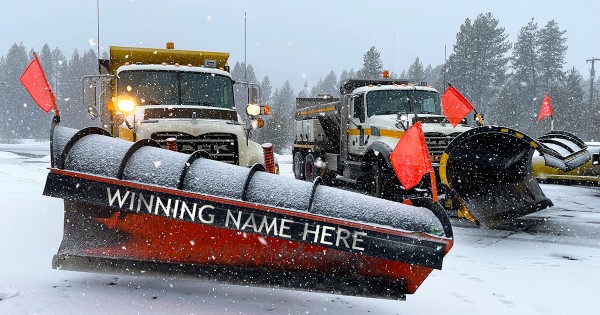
137, 209
490, 170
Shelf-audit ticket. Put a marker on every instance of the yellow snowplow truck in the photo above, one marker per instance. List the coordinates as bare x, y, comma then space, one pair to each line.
486, 171
182, 99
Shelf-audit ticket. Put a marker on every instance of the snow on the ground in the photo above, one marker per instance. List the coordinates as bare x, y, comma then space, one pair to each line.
549, 263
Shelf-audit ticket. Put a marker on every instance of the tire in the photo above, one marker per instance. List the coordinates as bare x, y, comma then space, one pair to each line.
299, 165
375, 180
310, 170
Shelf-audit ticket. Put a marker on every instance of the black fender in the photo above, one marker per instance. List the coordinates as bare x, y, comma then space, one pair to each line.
383, 149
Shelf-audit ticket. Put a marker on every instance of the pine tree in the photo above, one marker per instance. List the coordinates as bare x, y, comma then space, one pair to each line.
526, 59
343, 78
415, 72
265, 90
352, 74
17, 104
317, 89
304, 91
48, 63
278, 128
372, 65
518, 102
5, 134
570, 109
478, 64
329, 85
508, 108
553, 48
59, 76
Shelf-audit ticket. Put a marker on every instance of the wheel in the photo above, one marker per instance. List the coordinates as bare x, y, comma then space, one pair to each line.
299, 165
310, 170
376, 180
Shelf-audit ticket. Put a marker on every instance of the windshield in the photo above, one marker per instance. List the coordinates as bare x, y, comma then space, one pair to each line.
386, 102
176, 88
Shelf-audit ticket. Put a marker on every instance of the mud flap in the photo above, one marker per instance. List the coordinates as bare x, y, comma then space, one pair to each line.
489, 170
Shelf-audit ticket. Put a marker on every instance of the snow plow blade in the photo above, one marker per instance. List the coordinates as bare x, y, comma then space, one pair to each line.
137, 209
490, 170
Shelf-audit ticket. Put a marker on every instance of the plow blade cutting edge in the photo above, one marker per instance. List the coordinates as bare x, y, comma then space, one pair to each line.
137, 209
490, 170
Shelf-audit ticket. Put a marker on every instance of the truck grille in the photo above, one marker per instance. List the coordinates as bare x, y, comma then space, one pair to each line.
437, 143
221, 146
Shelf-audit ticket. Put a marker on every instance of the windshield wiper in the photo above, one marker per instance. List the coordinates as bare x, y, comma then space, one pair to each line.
388, 112
205, 103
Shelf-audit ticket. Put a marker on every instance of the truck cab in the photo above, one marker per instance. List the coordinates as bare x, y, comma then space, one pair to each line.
380, 114
166, 94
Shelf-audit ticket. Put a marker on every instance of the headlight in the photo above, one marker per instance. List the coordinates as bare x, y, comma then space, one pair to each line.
126, 106
253, 110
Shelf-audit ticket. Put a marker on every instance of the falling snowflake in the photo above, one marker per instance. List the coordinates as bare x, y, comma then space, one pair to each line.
262, 240
92, 42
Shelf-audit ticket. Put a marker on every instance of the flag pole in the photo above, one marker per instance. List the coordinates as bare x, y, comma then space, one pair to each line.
56, 118
434, 194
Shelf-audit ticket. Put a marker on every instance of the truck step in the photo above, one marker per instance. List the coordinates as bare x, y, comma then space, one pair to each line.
354, 163
345, 180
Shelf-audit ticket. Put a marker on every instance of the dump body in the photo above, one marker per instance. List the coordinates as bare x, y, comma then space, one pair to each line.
135, 208
486, 171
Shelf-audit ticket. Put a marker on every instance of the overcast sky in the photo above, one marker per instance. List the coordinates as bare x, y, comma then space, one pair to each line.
295, 40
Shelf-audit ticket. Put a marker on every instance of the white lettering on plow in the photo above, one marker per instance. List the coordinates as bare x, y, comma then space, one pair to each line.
160, 207
327, 235
179, 209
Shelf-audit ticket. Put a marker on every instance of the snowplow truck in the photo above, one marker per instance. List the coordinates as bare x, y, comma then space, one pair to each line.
486, 171
182, 97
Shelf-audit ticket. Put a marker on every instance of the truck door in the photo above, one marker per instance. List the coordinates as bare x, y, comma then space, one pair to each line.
357, 129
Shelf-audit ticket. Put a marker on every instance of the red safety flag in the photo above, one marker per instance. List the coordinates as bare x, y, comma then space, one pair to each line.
410, 158
455, 106
34, 81
546, 109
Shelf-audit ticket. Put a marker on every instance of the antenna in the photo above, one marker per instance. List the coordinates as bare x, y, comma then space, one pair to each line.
98, 32
245, 62
393, 52
445, 65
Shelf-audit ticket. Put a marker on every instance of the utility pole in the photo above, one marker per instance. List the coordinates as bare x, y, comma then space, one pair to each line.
592, 75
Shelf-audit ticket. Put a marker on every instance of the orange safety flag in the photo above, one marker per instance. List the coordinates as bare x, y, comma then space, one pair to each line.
410, 158
455, 106
546, 109
34, 81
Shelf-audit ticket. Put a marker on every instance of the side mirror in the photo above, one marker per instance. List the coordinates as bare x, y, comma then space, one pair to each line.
253, 93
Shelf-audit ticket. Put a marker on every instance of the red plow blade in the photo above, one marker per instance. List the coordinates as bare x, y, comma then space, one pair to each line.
138, 209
